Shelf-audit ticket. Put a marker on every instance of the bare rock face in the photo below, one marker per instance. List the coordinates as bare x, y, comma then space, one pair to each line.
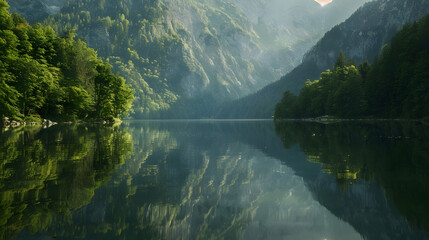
236, 47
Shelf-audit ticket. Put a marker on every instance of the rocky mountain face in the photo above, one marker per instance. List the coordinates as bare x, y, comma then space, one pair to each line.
360, 37
182, 57
240, 46
244, 45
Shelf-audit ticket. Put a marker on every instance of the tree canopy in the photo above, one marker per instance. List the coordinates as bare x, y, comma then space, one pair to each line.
43, 75
395, 86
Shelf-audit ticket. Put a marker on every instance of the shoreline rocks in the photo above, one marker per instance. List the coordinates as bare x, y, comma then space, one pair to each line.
7, 123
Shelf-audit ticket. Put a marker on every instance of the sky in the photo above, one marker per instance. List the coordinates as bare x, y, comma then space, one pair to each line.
323, 2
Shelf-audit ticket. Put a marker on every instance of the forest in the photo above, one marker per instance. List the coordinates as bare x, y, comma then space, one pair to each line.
396, 85
43, 75
130, 36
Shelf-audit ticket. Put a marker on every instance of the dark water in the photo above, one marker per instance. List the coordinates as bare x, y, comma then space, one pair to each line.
216, 180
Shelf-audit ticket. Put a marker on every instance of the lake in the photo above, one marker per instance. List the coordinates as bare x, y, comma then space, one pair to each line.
216, 180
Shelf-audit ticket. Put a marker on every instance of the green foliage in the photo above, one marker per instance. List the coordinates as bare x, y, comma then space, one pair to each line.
112, 96
398, 84
45, 76
337, 93
49, 172
130, 36
8, 95
395, 86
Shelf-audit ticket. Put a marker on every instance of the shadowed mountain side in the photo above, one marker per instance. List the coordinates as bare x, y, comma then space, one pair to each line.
360, 37
261, 104
36, 11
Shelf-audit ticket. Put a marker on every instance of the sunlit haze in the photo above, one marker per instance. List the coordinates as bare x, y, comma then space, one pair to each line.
323, 2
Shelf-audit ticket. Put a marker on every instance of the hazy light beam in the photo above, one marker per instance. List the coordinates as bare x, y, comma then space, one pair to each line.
323, 2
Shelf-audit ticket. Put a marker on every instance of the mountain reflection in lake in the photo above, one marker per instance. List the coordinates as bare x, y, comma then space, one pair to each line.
215, 180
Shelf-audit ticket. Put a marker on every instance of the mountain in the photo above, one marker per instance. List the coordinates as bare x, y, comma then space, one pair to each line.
395, 86
183, 57
360, 37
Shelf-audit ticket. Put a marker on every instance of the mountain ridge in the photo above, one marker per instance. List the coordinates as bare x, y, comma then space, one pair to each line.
361, 42
184, 57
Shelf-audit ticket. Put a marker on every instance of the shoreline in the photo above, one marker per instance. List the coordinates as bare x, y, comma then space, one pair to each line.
47, 123
333, 120
6, 124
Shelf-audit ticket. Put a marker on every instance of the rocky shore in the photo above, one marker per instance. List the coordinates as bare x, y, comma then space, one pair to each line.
8, 123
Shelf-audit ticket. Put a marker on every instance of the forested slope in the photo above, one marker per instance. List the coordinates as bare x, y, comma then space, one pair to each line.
360, 37
184, 57
395, 86
43, 75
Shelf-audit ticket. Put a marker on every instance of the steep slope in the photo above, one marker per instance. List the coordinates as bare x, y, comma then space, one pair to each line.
361, 38
44, 76
243, 46
185, 56
395, 86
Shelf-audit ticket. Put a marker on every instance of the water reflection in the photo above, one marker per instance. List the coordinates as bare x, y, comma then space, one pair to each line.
391, 155
194, 180
44, 172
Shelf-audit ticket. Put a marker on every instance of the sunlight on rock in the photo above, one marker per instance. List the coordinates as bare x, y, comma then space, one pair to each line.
323, 2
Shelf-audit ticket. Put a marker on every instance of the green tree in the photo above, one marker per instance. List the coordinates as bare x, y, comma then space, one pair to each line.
112, 95
341, 60
45, 76
286, 108
8, 95
6, 21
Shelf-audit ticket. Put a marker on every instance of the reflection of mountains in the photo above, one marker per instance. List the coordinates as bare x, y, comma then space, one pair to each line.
365, 164
190, 181
169, 191
364, 155
48, 171
360, 157
197, 180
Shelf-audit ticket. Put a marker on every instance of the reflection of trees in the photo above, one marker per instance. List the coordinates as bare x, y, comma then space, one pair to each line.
48, 171
136, 196
180, 183
171, 191
393, 155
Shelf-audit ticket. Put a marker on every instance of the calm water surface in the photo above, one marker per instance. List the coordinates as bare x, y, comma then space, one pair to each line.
215, 180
